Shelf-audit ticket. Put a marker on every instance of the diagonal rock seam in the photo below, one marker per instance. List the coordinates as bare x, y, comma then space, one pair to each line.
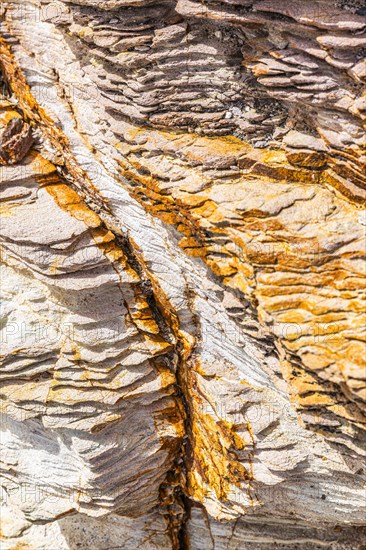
35, 116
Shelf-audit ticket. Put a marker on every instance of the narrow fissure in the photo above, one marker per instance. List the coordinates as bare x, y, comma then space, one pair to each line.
13, 83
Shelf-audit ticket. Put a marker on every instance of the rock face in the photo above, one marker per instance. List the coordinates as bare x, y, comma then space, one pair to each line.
183, 274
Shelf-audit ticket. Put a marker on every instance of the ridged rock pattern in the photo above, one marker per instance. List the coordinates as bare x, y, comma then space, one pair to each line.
183, 274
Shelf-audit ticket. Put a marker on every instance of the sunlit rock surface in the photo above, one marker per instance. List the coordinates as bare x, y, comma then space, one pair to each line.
183, 274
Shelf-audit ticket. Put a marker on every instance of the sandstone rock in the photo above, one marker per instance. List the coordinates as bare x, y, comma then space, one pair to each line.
183, 274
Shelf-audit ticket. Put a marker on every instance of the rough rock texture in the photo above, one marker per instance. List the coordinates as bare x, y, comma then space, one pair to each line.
183, 274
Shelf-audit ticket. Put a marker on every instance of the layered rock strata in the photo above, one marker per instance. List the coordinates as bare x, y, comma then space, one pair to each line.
183, 274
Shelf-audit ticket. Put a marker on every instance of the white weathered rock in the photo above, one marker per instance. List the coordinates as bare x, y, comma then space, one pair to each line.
183, 312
